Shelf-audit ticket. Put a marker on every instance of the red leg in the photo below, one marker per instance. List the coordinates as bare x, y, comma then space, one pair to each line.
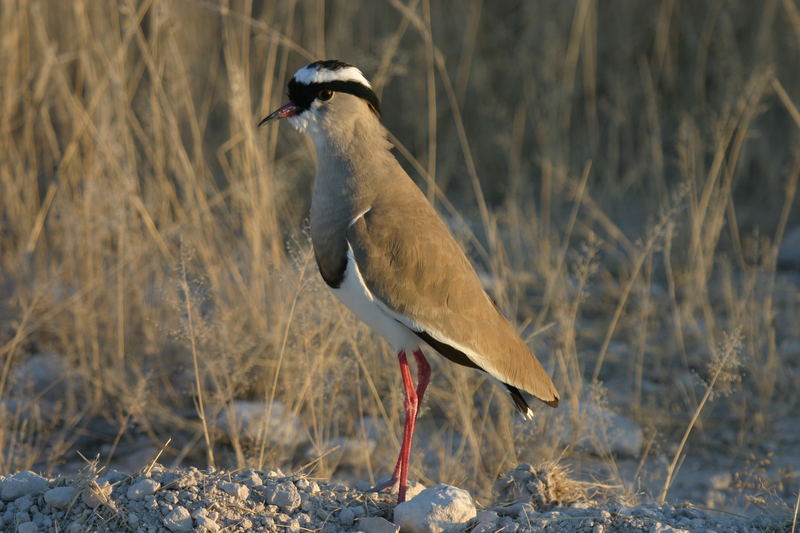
410, 404
423, 374
423, 379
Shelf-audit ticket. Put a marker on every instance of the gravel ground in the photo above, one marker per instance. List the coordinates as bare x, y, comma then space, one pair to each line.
187, 499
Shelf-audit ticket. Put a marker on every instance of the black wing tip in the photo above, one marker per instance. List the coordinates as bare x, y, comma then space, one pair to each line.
519, 401
522, 405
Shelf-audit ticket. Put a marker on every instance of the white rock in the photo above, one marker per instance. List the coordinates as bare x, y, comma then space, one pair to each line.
487, 519
249, 420
414, 488
142, 488
284, 494
376, 524
235, 489
658, 527
205, 524
27, 527
96, 494
179, 520
21, 484
24, 503
346, 517
59, 497
439, 509
251, 479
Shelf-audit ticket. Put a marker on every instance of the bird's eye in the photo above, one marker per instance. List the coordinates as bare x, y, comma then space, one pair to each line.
325, 95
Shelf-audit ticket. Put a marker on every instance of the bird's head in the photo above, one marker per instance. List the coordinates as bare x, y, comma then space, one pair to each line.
325, 94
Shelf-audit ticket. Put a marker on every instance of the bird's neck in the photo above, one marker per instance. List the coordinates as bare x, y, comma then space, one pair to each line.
352, 160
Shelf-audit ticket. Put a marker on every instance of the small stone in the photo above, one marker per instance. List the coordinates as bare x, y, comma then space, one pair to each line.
27, 527
359, 511
24, 504
76, 527
59, 497
205, 524
486, 517
22, 517
179, 520
235, 489
284, 494
251, 479
658, 527
97, 494
21, 484
308, 504
143, 488
133, 520
439, 509
515, 509
486, 527
376, 524
114, 476
413, 488
346, 517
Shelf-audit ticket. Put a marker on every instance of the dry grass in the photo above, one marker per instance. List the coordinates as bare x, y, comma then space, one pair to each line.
622, 173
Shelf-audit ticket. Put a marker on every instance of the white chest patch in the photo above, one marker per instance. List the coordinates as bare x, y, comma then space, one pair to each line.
354, 293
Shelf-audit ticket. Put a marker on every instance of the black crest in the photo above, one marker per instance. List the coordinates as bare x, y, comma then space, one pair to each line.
303, 94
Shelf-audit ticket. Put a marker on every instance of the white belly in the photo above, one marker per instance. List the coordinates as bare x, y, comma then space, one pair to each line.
354, 293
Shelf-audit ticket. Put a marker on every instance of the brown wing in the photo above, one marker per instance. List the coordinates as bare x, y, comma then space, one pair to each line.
411, 263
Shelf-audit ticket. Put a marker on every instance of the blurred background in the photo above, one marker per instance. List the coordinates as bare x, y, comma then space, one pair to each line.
623, 174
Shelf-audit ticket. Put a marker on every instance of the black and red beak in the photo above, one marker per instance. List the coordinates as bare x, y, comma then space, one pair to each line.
289, 109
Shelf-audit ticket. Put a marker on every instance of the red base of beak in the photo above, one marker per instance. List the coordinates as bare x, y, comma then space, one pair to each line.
288, 109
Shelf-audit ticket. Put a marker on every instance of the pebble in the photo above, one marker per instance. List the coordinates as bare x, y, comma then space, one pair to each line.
284, 494
235, 489
97, 494
142, 488
439, 509
346, 517
24, 503
179, 520
27, 527
376, 524
205, 524
251, 479
21, 484
59, 497
154, 504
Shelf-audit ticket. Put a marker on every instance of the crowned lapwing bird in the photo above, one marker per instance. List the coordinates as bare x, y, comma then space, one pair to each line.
388, 256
